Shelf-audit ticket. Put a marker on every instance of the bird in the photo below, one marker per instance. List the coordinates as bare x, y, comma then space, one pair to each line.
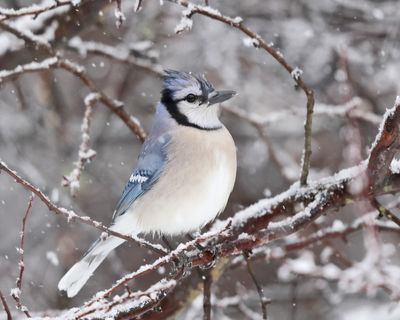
184, 175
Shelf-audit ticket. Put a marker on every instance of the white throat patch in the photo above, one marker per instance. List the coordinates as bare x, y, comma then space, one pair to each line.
204, 115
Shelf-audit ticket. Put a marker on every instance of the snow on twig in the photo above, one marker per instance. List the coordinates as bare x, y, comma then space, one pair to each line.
16, 292
36, 9
78, 71
140, 58
86, 153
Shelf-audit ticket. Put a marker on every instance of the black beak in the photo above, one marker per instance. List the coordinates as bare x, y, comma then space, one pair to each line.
220, 96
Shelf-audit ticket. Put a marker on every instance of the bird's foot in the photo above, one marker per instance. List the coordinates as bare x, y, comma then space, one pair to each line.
182, 265
211, 253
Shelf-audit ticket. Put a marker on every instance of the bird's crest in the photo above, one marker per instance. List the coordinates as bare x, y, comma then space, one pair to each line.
174, 81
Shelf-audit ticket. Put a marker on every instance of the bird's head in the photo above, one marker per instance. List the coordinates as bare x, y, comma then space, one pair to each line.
191, 100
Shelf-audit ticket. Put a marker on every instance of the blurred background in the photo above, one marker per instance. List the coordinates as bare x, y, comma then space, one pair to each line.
349, 52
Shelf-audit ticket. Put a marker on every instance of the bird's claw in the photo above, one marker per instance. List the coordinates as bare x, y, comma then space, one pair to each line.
213, 252
182, 265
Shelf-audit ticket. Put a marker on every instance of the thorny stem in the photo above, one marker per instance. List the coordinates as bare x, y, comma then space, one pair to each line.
263, 299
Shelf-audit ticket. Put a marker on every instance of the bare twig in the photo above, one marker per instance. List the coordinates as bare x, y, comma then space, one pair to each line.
263, 299
28, 37
35, 9
5, 306
319, 237
261, 131
138, 5
294, 300
78, 71
17, 292
143, 301
119, 15
71, 215
120, 54
86, 154
207, 282
384, 212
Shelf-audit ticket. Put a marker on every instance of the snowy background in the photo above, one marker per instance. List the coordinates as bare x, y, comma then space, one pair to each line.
349, 52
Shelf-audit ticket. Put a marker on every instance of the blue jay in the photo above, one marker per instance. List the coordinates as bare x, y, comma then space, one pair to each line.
185, 172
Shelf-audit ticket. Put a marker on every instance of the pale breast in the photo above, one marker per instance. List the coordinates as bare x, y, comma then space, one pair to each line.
195, 184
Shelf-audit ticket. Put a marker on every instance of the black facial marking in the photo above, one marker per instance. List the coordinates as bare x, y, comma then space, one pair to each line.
172, 107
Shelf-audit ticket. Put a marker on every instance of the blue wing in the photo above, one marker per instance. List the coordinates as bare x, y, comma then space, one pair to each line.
150, 165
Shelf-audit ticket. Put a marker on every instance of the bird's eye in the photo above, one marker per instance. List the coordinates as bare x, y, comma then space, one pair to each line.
190, 98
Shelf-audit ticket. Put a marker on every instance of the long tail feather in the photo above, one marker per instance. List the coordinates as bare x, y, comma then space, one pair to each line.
80, 272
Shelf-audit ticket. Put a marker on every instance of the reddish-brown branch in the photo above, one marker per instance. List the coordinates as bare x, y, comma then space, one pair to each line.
321, 237
386, 145
263, 299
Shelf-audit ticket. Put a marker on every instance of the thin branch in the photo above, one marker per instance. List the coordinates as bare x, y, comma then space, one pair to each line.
114, 105
119, 15
130, 304
294, 301
384, 212
78, 71
259, 42
138, 5
351, 109
118, 53
5, 306
261, 132
36, 9
71, 215
263, 299
29, 37
85, 154
207, 282
321, 236
17, 292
